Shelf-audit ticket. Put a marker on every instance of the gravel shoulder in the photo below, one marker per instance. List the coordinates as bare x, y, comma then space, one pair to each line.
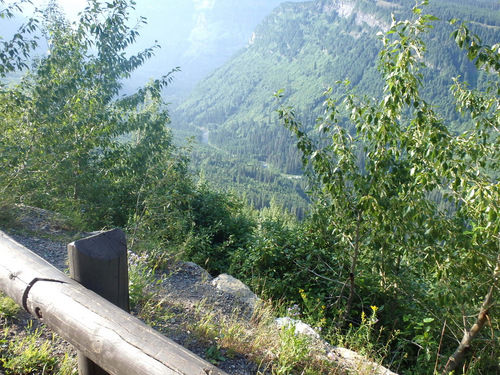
182, 290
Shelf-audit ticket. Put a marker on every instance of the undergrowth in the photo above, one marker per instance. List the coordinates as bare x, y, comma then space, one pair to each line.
8, 308
30, 353
275, 350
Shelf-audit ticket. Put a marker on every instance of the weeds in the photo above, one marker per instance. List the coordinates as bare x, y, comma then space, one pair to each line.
364, 337
205, 327
364, 343
8, 308
291, 352
277, 350
141, 281
214, 354
31, 354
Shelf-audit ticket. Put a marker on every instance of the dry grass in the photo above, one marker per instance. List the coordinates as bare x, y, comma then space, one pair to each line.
276, 350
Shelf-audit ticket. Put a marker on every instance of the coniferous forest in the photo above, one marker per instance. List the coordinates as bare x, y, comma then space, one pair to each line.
344, 164
304, 49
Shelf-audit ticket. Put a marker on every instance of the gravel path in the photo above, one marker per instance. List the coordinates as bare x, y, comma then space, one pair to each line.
53, 252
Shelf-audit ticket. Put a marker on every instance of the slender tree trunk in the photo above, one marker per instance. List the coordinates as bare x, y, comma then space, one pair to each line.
456, 359
76, 185
352, 283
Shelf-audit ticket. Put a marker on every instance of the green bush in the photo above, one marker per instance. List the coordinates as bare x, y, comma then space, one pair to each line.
219, 226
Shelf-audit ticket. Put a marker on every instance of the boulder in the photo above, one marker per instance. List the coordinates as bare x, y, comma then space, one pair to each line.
235, 287
356, 362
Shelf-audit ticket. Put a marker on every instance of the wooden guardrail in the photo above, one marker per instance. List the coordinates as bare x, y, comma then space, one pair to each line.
104, 333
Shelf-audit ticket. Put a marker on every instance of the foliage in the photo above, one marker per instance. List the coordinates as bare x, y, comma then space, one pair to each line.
176, 218
374, 167
196, 223
219, 225
13, 53
67, 135
269, 261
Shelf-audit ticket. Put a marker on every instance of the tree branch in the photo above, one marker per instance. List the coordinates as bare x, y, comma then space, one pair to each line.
457, 357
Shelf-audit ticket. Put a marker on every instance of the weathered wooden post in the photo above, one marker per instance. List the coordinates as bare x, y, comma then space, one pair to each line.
99, 263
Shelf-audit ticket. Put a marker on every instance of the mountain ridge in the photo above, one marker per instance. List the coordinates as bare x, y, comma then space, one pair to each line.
280, 40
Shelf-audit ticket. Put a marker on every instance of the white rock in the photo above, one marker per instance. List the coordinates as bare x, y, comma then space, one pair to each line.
357, 362
301, 328
229, 284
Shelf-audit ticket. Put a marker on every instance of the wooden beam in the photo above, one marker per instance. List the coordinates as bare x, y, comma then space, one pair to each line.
99, 263
114, 340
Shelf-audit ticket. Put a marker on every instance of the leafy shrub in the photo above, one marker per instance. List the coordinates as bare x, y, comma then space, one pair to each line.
219, 226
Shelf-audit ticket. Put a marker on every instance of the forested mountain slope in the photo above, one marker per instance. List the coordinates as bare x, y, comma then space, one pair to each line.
304, 48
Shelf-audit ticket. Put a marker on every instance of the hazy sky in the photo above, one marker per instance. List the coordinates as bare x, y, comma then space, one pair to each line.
71, 7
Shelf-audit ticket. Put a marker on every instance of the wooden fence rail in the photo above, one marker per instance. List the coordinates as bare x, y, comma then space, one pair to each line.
116, 341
